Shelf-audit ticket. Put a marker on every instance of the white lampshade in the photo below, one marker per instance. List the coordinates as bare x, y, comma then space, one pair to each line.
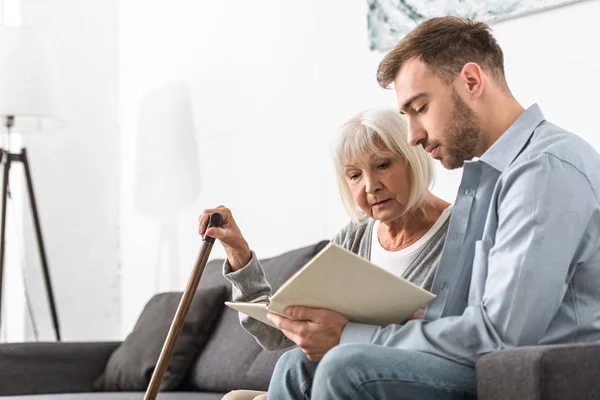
167, 167
28, 81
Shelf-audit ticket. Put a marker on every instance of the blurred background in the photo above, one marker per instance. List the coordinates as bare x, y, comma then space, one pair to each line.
173, 107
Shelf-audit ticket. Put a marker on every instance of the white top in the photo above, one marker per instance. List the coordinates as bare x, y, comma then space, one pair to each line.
397, 262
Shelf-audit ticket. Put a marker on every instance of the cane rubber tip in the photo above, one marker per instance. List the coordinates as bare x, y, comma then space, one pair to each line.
216, 220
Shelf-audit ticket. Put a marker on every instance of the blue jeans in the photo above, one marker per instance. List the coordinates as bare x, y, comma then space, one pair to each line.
364, 371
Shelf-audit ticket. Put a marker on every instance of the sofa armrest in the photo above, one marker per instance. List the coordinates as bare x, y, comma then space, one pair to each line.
36, 368
540, 372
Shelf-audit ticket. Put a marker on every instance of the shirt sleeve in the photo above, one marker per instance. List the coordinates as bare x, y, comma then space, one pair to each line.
249, 283
543, 207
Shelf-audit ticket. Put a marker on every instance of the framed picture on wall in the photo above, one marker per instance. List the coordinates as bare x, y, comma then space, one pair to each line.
390, 20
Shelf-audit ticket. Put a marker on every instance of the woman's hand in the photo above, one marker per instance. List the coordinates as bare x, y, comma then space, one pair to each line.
317, 332
236, 247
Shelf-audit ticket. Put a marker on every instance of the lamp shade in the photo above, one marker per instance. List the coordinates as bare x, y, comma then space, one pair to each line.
28, 80
167, 171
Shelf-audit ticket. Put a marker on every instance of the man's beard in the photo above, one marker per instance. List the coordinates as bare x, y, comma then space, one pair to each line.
463, 136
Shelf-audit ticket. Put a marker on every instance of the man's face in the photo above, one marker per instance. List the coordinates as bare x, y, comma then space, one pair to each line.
438, 119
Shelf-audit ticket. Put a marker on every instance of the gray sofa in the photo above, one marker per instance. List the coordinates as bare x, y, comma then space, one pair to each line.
231, 359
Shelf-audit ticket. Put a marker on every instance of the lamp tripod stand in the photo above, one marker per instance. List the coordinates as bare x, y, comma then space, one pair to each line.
6, 158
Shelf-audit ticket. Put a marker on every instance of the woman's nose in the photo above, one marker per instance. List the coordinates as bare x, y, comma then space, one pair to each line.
372, 183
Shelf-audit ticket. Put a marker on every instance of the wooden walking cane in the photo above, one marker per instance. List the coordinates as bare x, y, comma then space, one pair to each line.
215, 220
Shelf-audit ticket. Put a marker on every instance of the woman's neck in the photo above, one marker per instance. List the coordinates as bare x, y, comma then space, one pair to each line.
406, 230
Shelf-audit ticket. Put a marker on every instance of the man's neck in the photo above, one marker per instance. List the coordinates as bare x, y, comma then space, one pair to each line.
499, 116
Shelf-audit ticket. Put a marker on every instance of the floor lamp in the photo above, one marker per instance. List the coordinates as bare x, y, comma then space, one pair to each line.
28, 103
167, 173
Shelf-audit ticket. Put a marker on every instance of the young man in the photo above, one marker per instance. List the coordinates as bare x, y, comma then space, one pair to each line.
521, 262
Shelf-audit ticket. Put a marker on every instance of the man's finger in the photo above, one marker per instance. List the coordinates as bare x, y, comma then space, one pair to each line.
280, 322
292, 336
305, 313
286, 324
277, 320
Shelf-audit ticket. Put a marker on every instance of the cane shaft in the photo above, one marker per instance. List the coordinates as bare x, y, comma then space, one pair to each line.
178, 320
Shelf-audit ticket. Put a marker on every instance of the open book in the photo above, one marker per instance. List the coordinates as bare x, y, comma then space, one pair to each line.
339, 280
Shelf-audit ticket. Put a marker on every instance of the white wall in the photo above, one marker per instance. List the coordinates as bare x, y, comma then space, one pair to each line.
76, 174
271, 81
553, 58
13, 297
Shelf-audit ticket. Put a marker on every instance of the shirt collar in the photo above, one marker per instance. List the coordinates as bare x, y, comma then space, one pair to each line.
508, 146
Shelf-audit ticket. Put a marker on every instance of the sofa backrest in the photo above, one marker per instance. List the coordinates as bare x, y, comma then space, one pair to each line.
232, 359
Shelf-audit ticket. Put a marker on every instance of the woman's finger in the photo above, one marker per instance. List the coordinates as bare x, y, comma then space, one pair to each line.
224, 211
205, 216
217, 233
202, 223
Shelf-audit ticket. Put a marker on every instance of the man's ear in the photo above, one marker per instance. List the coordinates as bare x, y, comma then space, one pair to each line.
471, 80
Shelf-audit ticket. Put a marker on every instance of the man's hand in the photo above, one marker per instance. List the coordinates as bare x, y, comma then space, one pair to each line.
318, 332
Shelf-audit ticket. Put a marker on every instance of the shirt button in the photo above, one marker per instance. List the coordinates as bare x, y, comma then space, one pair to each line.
468, 192
455, 236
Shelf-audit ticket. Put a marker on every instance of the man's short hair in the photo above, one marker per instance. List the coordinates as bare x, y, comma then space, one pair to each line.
445, 45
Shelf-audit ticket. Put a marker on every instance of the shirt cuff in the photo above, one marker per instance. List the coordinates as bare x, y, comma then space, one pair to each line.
357, 333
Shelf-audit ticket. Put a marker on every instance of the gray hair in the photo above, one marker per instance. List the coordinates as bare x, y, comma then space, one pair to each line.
366, 133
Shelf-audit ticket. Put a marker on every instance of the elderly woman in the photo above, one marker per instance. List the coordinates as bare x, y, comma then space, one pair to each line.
397, 223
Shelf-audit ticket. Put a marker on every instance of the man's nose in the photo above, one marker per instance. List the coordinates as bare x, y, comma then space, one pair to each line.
416, 133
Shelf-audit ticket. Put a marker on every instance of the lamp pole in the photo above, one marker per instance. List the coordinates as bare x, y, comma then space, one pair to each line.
7, 158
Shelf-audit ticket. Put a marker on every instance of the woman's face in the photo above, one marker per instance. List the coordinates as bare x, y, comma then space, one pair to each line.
380, 184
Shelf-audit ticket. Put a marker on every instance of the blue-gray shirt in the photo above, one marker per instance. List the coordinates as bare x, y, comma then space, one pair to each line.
521, 262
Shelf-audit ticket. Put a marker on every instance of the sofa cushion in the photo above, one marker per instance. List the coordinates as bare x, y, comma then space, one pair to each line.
232, 359
131, 365
52, 367
550, 372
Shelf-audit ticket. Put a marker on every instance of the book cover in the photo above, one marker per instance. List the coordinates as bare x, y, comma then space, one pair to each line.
339, 280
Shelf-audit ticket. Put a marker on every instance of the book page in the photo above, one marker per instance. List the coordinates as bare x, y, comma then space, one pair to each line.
254, 310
